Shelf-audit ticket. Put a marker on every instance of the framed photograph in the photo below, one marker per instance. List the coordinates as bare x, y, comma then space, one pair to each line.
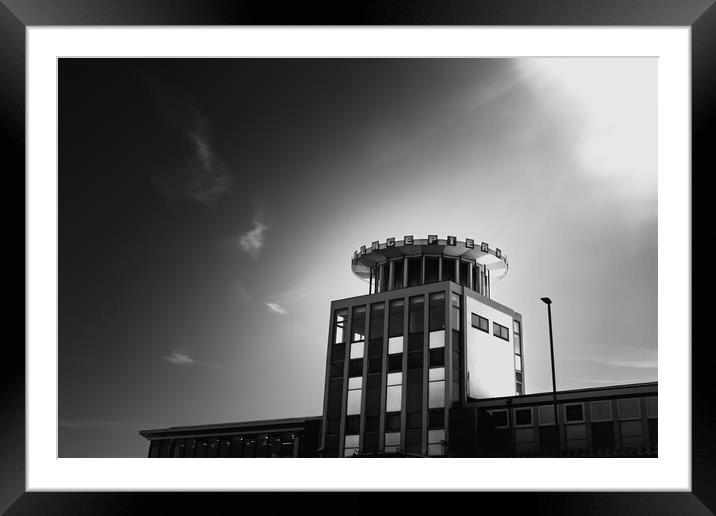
197, 178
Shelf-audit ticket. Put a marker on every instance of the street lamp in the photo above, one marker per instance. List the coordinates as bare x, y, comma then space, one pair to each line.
548, 302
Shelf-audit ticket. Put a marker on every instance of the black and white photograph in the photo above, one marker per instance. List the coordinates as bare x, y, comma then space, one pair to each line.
357, 257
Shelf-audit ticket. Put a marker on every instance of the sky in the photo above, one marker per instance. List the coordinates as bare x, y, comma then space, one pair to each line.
209, 209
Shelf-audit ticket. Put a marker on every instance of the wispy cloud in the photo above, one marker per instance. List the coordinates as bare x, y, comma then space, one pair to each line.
632, 358
254, 239
274, 307
197, 173
179, 358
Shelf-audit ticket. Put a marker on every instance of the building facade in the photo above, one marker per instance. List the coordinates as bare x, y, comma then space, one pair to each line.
427, 364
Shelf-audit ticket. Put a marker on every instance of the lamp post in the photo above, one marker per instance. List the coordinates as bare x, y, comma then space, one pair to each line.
548, 302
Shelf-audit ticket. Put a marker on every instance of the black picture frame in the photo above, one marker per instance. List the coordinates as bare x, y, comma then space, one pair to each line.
17, 15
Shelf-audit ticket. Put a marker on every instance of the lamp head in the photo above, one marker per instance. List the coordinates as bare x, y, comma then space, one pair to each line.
546, 300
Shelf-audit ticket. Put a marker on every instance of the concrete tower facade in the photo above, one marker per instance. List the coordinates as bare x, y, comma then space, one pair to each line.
426, 338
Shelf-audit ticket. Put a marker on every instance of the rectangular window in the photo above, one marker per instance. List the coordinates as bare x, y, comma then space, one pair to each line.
437, 339
437, 357
437, 311
339, 324
357, 349
353, 403
465, 269
358, 324
546, 415
436, 418
394, 392
353, 424
351, 445
500, 331
516, 326
480, 323
398, 274
416, 309
523, 416
414, 272
395, 345
629, 408
448, 269
395, 362
517, 342
431, 269
436, 388
395, 321
574, 412
377, 316
392, 441
600, 410
392, 422
355, 367
518, 362
499, 418
436, 443
652, 407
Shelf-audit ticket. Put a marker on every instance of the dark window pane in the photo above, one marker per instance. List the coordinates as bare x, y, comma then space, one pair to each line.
383, 273
372, 400
356, 367
398, 274
499, 418
392, 422
415, 360
437, 357
437, 311
413, 440
353, 424
375, 347
415, 342
414, 265
603, 436
653, 425
377, 315
333, 426
431, 269
415, 314
414, 420
338, 352
375, 364
548, 440
414, 394
573, 412
370, 443
395, 322
395, 362
335, 384
436, 418
332, 446
448, 269
372, 423
334, 404
465, 273
523, 416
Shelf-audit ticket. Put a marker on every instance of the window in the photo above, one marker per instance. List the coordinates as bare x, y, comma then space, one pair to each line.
437, 311
436, 442
414, 273
574, 412
652, 407
449, 265
500, 331
355, 386
398, 274
431, 269
437, 339
351, 445
518, 363
355, 367
436, 387
395, 345
416, 309
437, 357
358, 324
392, 422
523, 416
629, 408
339, 323
480, 323
455, 320
395, 320
600, 410
499, 418
353, 424
546, 415
392, 441
394, 392
357, 349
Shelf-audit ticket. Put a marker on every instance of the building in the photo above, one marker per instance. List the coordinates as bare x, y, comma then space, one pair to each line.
428, 364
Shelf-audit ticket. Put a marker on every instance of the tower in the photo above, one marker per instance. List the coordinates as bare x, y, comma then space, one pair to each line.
426, 339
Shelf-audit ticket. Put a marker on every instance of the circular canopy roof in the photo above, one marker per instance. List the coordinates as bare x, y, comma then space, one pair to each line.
368, 257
